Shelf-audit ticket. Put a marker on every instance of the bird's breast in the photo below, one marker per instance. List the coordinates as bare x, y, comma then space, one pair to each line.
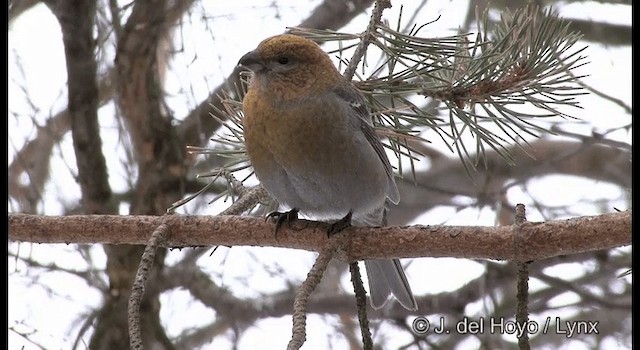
309, 135
312, 154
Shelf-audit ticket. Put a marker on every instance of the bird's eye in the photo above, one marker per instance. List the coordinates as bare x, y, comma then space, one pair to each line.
283, 59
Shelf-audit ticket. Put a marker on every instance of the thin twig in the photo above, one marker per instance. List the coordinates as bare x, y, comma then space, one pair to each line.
356, 279
335, 243
361, 302
157, 239
584, 293
594, 138
249, 199
378, 8
522, 296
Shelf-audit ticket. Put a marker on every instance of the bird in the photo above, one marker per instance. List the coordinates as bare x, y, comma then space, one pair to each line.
309, 137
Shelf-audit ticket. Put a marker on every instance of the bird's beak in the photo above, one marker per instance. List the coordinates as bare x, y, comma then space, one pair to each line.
252, 61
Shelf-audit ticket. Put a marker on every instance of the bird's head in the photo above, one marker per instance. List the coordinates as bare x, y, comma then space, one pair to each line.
288, 62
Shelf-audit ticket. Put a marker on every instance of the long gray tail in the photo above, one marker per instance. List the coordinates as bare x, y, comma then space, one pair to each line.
387, 277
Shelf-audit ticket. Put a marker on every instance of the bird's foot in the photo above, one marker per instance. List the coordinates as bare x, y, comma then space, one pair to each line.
282, 217
339, 225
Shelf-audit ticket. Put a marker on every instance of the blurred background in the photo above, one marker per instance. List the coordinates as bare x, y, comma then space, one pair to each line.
100, 113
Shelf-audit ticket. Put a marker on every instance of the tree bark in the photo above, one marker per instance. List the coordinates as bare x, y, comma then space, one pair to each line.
538, 240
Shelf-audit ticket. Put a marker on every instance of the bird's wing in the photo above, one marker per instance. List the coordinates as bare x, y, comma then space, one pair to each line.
356, 100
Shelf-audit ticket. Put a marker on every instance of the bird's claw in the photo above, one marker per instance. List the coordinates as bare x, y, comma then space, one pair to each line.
339, 225
281, 218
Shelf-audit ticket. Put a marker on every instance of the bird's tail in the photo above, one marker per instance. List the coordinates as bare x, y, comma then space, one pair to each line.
387, 277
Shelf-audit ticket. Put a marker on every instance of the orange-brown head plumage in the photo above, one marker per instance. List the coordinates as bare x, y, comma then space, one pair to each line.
288, 67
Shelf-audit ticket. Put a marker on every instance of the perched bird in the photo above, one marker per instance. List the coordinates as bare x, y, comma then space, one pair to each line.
310, 140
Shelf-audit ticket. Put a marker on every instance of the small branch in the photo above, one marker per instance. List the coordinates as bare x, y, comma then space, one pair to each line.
158, 238
522, 294
379, 7
247, 201
584, 293
335, 244
361, 302
541, 240
594, 138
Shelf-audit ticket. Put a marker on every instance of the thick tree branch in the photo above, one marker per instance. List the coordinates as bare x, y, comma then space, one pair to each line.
541, 240
159, 151
76, 19
140, 63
